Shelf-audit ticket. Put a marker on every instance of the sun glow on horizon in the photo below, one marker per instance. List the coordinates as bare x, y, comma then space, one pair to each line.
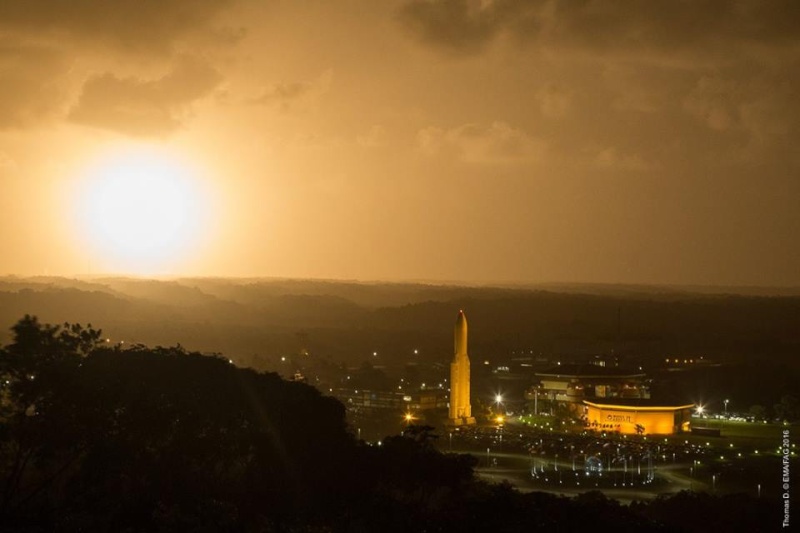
141, 211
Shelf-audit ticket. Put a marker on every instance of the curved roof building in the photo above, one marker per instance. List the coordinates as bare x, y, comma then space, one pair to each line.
637, 416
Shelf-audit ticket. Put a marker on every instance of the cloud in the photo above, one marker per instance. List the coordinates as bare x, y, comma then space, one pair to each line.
376, 136
29, 83
668, 27
451, 24
713, 101
6, 162
498, 143
47, 45
771, 116
145, 26
295, 95
554, 101
763, 107
612, 158
144, 107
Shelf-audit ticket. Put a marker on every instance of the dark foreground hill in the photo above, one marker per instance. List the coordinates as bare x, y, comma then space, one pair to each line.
140, 439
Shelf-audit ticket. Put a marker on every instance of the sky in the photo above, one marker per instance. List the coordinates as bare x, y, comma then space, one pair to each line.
439, 140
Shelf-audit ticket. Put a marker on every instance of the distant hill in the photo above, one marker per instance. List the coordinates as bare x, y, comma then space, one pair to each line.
253, 319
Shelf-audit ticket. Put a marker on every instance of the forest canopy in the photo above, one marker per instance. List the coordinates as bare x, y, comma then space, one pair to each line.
94, 437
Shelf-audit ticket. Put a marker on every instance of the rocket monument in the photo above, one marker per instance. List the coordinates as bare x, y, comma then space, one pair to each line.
460, 408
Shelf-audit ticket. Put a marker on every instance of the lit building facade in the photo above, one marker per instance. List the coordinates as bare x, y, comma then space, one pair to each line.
633, 417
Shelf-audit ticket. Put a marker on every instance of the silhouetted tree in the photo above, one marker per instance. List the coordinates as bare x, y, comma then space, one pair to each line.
758, 412
788, 409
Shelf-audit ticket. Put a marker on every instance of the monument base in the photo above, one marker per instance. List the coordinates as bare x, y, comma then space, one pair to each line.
464, 421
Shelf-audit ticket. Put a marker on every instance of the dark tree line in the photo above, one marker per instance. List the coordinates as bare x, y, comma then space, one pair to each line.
94, 438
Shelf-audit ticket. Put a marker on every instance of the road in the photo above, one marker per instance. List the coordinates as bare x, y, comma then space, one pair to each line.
515, 468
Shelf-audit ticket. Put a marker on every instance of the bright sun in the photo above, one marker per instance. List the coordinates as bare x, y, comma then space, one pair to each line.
141, 210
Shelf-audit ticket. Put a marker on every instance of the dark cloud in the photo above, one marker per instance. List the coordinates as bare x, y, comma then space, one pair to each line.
129, 25
144, 107
28, 83
452, 24
283, 94
630, 26
295, 95
44, 45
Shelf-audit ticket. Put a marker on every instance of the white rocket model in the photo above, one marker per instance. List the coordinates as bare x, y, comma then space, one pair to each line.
460, 408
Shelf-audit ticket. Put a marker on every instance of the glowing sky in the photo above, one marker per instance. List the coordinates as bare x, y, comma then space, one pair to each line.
632, 141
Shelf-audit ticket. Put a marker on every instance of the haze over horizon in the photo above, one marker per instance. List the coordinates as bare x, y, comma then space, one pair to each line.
470, 141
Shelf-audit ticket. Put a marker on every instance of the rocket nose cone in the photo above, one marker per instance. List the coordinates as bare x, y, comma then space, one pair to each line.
460, 333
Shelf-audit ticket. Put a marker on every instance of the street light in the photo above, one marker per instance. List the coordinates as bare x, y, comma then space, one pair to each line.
726, 408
